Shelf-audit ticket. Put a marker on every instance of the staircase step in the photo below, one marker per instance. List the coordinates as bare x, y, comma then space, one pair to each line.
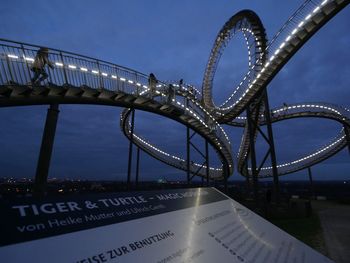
74, 92
120, 95
141, 100
318, 17
329, 8
89, 92
21, 91
106, 94
41, 90
57, 91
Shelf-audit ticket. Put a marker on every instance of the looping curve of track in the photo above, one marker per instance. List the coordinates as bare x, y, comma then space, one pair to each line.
78, 79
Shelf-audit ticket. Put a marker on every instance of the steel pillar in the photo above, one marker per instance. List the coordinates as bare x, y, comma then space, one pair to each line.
272, 149
205, 156
347, 136
226, 173
137, 166
207, 160
47, 143
188, 155
253, 156
312, 192
131, 142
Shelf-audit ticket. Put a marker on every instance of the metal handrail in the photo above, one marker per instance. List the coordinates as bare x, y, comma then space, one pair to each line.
75, 71
70, 53
69, 68
298, 16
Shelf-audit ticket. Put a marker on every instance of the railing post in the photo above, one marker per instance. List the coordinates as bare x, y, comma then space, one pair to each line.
207, 160
253, 156
117, 79
100, 74
64, 70
137, 87
9, 68
188, 154
25, 60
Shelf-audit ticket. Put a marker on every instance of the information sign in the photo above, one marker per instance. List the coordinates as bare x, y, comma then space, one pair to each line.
179, 225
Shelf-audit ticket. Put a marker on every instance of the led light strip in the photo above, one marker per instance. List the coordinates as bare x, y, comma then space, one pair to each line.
300, 25
341, 114
83, 69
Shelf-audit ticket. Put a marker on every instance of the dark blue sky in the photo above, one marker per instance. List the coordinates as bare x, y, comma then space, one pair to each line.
172, 39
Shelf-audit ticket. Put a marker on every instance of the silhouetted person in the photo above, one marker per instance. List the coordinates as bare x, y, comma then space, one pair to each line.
152, 84
285, 106
171, 93
191, 91
40, 61
181, 82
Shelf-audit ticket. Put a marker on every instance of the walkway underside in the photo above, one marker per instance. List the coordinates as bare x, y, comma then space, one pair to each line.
23, 95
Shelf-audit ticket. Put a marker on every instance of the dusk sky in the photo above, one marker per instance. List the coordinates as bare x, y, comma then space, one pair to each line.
173, 40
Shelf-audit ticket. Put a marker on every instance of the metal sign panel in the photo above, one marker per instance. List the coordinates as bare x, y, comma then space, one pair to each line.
180, 225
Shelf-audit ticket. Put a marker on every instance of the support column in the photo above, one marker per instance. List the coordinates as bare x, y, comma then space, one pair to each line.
43, 166
226, 173
207, 161
131, 141
253, 157
188, 155
347, 135
137, 166
272, 149
312, 193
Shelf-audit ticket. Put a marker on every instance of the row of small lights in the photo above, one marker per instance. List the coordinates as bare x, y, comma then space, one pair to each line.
185, 87
169, 155
201, 121
298, 106
214, 120
83, 69
249, 61
210, 116
251, 68
249, 54
308, 106
272, 58
308, 156
194, 115
257, 42
303, 106
218, 40
197, 117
